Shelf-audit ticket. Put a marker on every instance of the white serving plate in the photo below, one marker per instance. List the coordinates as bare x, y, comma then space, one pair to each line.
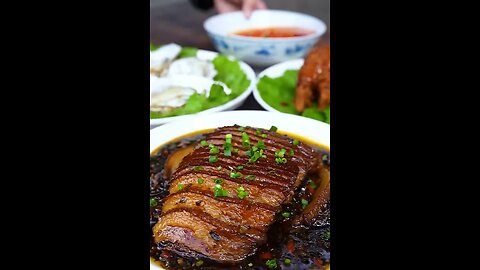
313, 130
231, 105
275, 71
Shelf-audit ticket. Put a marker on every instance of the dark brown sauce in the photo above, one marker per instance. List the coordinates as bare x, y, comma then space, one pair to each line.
305, 247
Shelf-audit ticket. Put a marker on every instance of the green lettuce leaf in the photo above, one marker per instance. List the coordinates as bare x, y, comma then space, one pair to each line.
279, 93
230, 73
197, 103
187, 52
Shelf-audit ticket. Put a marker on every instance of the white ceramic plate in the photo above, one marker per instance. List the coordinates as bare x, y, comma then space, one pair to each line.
305, 127
231, 105
275, 71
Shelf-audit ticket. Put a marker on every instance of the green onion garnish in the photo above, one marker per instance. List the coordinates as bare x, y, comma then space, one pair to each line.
180, 186
199, 263
312, 184
200, 180
228, 136
287, 261
245, 140
271, 263
250, 177
214, 150
240, 167
211, 145
219, 192
235, 150
274, 129
241, 128
264, 136
235, 175
197, 168
261, 145
304, 203
291, 153
295, 142
204, 143
258, 132
153, 202
285, 214
213, 159
218, 181
242, 193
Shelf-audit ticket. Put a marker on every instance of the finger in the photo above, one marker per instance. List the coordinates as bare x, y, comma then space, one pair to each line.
248, 6
261, 5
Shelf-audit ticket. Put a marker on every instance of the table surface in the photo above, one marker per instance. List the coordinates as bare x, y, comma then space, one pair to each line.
179, 22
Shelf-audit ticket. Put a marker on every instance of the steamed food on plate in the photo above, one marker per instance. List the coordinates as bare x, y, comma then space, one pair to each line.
186, 80
240, 197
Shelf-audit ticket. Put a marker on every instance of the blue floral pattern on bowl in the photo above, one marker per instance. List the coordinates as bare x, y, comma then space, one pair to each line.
262, 52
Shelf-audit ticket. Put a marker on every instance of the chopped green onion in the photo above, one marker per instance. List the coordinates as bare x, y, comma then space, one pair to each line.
218, 181
153, 202
200, 180
180, 186
280, 160
264, 136
214, 150
204, 143
271, 263
256, 156
227, 151
245, 140
235, 150
211, 145
280, 153
287, 261
242, 193
285, 214
235, 175
304, 203
325, 157
241, 128
326, 235
295, 142
258, 132
274, 129
197, 168
261, 145
228, 136
240, 167
312, 184
199, 263
219, 192
213, 159
291, 153
250, 177
248, 153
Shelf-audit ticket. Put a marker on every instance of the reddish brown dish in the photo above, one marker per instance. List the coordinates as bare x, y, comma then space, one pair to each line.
217, 198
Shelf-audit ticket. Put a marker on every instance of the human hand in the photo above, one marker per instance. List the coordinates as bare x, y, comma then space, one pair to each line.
247, 6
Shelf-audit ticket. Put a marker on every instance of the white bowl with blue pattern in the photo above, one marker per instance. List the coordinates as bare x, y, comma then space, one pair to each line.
263, 51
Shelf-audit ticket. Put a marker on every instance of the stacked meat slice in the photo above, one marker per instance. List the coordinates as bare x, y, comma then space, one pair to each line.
222, 207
